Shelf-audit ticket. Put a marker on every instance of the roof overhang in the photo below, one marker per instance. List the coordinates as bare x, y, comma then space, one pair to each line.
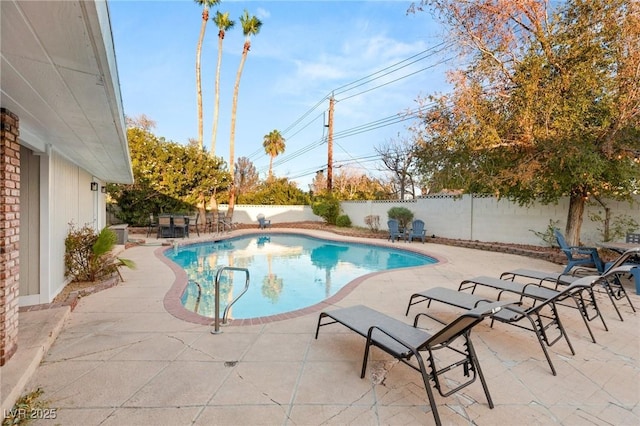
59, 76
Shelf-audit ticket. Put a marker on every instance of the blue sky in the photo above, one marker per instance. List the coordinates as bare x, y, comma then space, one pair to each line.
374, 57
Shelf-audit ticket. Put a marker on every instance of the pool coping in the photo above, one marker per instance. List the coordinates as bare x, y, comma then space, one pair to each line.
173, 304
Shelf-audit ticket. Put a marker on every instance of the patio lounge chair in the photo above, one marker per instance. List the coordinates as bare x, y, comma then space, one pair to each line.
417, 230
542, 314
578, 255
609, 280
586, 305
394, 230
403, 341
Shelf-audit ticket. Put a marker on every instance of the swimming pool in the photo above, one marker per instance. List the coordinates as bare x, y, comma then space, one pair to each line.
287, 271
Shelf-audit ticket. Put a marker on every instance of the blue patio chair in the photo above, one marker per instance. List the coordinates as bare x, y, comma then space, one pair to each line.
262, 222
417, 230
578, 255
394, 230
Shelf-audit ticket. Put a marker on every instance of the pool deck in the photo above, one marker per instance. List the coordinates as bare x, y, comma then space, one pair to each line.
121, 358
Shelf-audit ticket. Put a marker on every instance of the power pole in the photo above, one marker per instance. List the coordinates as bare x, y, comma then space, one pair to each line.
330, 146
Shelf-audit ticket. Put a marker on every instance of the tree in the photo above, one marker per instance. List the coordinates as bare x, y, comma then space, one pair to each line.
250, 26
246, 176
206, 4
168, 176
548, 107
224, 24
399, 158
273, 145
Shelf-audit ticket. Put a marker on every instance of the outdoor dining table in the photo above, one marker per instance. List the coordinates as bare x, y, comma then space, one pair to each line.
621, 248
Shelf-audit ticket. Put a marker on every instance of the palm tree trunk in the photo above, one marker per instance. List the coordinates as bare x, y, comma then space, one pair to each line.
234, 107
216, 111
205, 18
232, 138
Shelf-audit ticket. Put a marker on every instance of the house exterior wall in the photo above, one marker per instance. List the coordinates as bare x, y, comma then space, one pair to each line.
9, 233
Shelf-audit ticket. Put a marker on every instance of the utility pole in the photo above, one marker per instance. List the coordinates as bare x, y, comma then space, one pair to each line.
330, 146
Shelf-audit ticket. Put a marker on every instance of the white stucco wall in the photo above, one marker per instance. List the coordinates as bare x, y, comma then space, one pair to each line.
489, 219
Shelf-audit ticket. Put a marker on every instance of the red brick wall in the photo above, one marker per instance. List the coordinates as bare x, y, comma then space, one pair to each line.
9, 233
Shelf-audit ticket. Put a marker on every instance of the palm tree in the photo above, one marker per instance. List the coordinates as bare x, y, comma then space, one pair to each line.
250, 26
224, 24
273, 145
206, 4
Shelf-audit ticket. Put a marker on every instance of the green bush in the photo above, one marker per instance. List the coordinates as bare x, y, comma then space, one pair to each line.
327, 208
88, 255
343, 221
402, 214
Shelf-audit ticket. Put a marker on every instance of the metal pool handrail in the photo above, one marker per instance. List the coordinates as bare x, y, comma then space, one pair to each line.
216, 322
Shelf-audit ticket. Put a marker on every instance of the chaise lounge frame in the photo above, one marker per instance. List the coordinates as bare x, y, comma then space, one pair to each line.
404, 342
542, 315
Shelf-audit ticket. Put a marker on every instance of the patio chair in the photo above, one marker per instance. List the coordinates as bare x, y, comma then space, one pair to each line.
262, 222
633, 239
403, 342
578, 255
609, 280
151, 225
394, 230
417, 230
542, 314
586, 305
165, 227
180, 226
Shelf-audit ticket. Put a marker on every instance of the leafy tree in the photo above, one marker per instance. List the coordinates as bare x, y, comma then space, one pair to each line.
224, 24
273, 145
168, 177
250, 26
348, 185
548, 106
276, 192
206, 4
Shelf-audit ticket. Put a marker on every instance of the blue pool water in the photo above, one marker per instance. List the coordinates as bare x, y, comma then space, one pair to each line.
287, 272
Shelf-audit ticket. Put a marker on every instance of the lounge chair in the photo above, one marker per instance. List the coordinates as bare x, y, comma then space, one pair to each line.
403, 341
262, 222
586, 306
609, 279
578, 255
417, 230
542, 314
394, 230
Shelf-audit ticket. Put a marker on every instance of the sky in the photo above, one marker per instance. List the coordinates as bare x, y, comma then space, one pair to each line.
371, 56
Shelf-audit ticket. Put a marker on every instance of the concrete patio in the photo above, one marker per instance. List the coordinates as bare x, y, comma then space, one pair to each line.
121, 358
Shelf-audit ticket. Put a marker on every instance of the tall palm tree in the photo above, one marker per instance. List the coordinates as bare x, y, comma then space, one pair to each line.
224, 24
273, 145
206, 4
250, 26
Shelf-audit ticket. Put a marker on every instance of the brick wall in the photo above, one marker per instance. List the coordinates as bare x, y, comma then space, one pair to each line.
9, 233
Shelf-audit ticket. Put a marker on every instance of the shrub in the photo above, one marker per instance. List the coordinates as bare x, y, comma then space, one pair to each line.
88, 255
373, 222
327, 208
343, 221
402, 214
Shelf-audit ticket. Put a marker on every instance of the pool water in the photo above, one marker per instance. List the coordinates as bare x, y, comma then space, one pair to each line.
287, 272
